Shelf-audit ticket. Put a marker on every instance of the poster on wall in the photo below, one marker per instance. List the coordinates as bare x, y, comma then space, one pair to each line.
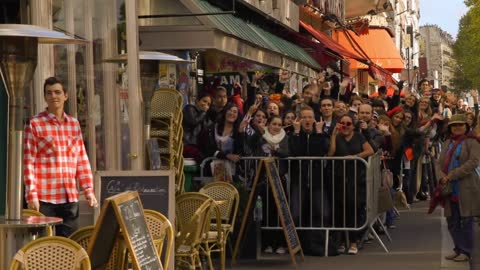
183, 82
172, 76
163, 80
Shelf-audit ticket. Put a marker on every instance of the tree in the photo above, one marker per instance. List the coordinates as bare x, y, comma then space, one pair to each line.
467, 49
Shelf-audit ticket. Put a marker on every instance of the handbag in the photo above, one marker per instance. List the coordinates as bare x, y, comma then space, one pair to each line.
401, 200
221, 171
387, 178
385, 201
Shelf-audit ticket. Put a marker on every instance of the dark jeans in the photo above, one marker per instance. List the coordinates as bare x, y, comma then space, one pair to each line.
67, 211
408, 185
320, 213
461, 230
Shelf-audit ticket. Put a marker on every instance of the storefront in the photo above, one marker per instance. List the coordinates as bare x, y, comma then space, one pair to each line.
93, 85
225, 45
100, 91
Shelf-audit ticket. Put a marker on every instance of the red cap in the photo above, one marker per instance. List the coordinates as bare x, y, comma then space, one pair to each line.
394, 111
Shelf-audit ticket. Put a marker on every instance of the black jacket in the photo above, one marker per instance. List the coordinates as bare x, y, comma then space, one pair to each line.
304, 144
195, 123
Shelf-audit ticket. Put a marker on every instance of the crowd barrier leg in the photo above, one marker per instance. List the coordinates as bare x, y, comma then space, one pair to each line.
372, 230
327, 240
395, 210
384, 229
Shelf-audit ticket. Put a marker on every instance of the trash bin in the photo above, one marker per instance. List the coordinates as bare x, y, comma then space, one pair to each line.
190, 168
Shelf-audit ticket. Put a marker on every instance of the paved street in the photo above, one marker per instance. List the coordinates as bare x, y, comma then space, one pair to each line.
419, 243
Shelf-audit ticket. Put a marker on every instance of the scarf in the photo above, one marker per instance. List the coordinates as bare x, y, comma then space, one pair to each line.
456, 140
452, 161
274, 139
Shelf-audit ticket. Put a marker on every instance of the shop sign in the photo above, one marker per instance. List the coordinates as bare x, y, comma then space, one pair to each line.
229, 79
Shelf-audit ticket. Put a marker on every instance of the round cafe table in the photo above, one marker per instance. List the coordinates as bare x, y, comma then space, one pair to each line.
14, 234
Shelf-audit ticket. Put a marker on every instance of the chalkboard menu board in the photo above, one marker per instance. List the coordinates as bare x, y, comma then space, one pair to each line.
155, 188
106, 235
294, 246
282, 206
123, 211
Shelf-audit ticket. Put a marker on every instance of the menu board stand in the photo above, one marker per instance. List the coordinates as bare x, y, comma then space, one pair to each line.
122, 216
283, 208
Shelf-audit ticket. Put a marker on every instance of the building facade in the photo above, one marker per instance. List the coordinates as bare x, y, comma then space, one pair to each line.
107, 97
436, 54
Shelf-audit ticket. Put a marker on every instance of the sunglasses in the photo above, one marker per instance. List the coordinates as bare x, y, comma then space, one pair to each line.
457, 125
346, 123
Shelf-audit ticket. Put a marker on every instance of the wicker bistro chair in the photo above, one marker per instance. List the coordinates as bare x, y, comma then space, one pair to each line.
169, 149
162, 233
179, 173
228, 200
167, 104
166, 125
180, 183
31, 212
212, 240
189, 238
51, 252
82, 237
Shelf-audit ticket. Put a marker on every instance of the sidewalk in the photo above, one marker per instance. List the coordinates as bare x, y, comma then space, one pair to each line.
419, 243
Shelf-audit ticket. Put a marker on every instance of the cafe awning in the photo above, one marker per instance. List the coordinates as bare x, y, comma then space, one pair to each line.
232, 35
331, 44
377, 45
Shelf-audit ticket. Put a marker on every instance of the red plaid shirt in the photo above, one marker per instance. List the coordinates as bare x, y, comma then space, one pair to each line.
54, 157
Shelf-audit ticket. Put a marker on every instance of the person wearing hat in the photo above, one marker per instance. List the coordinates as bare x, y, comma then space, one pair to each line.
456, 169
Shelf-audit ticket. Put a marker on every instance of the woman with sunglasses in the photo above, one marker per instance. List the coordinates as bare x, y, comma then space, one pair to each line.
350, 188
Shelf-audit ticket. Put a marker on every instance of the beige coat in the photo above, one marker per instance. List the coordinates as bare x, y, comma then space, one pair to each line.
469, 189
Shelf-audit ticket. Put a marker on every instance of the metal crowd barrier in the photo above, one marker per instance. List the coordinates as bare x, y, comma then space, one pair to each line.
318, 194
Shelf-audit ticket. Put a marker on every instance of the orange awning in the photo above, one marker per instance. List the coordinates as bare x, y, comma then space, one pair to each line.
377, 45
331, 44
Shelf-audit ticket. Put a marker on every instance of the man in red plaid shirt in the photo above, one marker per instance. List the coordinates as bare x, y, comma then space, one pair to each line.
54, 159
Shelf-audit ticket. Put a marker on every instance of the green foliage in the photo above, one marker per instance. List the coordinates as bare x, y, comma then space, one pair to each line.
467, 49
461, 82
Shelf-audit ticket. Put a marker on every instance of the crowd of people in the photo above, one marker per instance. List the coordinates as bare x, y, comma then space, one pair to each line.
426, 139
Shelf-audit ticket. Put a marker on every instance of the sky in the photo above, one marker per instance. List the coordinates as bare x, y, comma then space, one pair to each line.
444, 13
